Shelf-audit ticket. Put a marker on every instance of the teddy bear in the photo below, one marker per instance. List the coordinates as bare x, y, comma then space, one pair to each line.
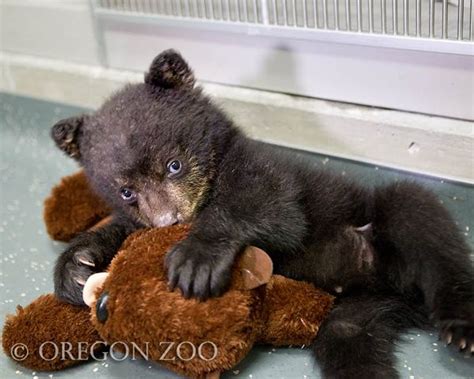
131, 307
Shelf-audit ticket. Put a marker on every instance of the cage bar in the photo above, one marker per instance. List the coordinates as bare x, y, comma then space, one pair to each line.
418, 18
325, 14
444, 15
316, 14
460, 19
371, 16
383, 16
359, 15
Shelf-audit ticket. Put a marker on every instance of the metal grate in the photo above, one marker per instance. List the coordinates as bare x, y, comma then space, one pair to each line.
431, 19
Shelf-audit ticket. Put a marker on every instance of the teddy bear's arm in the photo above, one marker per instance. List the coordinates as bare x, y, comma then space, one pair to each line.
72, 207
54, 334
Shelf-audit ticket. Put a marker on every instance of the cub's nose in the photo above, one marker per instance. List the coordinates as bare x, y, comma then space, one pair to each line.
165, 219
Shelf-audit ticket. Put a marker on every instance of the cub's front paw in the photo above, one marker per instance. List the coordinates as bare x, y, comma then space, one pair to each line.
199, 270
459, 333
72, 269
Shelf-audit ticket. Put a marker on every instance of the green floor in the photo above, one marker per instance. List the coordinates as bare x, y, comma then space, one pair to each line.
30, 166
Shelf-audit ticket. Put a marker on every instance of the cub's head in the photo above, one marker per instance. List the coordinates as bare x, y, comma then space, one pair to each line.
153, 149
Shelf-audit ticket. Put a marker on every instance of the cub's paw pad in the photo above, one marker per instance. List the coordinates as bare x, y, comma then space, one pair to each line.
458, 333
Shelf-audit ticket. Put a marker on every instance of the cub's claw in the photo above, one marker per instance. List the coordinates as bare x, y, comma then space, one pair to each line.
458, 333
197, 271
73, 268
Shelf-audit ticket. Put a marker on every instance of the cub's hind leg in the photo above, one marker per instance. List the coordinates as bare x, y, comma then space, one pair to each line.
357, 340
420, 249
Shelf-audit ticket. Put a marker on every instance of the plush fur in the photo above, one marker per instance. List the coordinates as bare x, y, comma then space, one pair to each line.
239, 192
138, 310
43, 327
72, 206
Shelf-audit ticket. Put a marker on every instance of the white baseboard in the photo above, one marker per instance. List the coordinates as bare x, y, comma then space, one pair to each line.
436, 146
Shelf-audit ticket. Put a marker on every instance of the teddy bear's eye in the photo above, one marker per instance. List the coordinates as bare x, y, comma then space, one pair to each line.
128, 195
174, 166
101, 307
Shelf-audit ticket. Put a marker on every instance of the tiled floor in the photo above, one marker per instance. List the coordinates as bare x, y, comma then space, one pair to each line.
30, 166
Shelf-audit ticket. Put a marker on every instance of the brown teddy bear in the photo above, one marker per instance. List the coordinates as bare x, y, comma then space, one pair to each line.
132, 307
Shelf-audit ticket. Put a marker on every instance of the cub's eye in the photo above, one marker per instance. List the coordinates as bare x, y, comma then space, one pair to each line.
174, 167
128, 195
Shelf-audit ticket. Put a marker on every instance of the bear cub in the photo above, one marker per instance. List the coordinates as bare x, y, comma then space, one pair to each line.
161, 153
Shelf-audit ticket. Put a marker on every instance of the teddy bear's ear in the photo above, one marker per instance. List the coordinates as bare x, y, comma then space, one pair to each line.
256, 267
170, 70
67, 134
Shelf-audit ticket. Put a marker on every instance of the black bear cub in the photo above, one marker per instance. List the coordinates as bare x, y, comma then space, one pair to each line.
162, 153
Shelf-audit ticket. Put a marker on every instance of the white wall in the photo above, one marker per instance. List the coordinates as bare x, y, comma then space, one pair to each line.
59, 29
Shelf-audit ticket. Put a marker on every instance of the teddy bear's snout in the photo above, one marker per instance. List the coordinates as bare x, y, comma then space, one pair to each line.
101, 311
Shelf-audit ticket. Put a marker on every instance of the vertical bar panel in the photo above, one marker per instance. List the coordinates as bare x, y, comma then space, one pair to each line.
432, 18
460, 19
285, 13
218, 10
177, 11
189, 8
371, 16
239, 16
246, 13
146, 6
395, 16
305, 15
255, 11
275, 12
405, 17
211, 9
153, 7
203, 8
383, 10
315, 14
325, 14
418, 17
444, 14
228, 10
265, 18
336, 14
348, 15
359, 15
294, 13
471, 24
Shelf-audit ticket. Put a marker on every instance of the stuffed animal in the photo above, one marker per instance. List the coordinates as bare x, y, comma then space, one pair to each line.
131, 306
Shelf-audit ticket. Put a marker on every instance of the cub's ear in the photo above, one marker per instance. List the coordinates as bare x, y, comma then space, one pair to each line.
67, 134
170, 70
